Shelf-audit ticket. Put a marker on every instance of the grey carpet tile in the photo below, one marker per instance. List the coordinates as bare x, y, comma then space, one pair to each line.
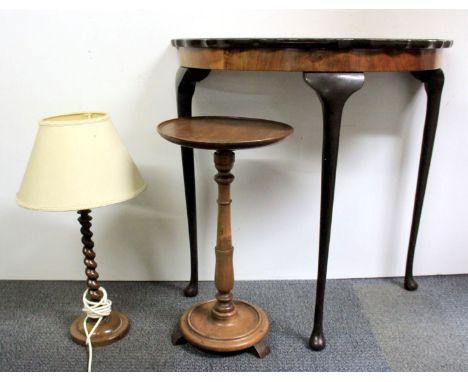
35, 315
425, 330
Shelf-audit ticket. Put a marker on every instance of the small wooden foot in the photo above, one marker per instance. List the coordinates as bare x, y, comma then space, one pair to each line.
191, 290
410, 283
317, 341
178, 338
261, 350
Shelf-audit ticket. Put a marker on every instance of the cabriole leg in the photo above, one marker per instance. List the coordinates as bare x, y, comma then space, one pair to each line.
333, 90
433, 81
186, 82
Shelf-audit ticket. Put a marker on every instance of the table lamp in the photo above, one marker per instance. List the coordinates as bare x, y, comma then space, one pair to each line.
78, 162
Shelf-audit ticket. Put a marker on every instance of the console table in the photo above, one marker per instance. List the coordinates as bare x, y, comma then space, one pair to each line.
334, 68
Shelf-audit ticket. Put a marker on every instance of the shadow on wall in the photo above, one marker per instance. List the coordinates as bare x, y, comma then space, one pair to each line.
379, 109
265, 206
159, 86
144, 230
40, 235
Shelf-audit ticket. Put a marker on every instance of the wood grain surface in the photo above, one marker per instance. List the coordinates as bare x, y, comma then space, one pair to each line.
316, 60
223, 132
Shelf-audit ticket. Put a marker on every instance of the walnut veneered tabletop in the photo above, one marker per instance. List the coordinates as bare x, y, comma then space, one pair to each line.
223, 132
309, 54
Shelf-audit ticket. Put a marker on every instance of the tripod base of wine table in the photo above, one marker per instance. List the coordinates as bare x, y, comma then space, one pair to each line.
245, 329
111, 329
224, 324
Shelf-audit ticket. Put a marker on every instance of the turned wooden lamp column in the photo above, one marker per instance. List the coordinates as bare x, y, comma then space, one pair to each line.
224, 324
79, 162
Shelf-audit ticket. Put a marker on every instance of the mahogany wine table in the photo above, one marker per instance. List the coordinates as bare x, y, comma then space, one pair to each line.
224, 324
334, 69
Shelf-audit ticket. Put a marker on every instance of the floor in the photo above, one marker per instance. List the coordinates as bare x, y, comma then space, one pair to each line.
370, 325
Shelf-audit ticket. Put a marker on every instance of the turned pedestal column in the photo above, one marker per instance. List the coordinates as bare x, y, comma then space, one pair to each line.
225, 324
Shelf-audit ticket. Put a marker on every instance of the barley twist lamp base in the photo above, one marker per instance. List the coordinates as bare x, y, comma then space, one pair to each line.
111, 329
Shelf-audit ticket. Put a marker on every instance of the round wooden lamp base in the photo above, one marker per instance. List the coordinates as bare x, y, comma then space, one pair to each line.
246, 328
111, 329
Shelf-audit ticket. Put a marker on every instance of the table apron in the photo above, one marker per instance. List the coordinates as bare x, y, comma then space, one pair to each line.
317, 60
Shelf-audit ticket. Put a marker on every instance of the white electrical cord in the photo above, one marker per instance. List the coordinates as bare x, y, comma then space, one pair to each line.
96, 310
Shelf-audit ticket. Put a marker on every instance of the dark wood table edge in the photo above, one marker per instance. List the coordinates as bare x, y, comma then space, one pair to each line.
311, 43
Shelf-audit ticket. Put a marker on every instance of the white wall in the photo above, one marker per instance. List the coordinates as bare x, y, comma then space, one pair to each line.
122, 63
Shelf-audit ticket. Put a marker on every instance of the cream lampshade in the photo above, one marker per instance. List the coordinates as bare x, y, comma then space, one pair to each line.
78, 162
